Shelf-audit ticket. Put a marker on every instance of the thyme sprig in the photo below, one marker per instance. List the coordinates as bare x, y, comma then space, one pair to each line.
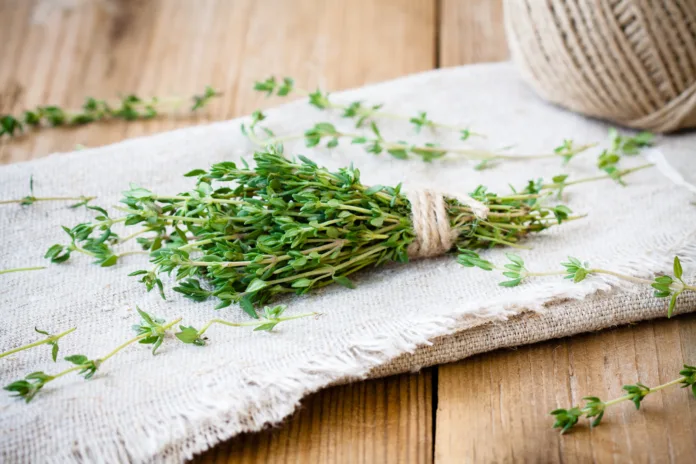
358, 111
128, 108
22, 269
271, 318
51, 340
376, 144
150, 331
665, 286
32, 198
99, 247
594, 407
620, 146
560, 182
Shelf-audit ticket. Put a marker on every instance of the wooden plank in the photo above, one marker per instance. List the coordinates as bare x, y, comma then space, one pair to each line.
471, 31
381, 421
495, 407
54, 55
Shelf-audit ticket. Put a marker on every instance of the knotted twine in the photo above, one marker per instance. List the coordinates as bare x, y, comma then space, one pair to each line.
431, 222
628, 61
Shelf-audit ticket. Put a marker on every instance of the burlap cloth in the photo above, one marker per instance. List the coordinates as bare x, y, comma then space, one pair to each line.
186, 399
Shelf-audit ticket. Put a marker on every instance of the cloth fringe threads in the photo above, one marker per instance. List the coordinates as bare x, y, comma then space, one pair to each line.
431, 223
628, 61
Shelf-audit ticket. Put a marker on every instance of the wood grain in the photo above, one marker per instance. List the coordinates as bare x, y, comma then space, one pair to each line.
494, 407
471, 31
382, 421
502, 399
177, 47
60, 56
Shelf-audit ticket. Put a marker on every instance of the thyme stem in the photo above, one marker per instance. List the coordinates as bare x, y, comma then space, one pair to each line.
255, 323
138, 338
22, 269
50, 339
35, 199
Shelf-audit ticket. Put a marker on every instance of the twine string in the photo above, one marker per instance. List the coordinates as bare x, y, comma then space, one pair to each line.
628, 61
431, 222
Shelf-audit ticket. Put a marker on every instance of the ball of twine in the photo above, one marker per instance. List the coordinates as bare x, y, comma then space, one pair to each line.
632, 62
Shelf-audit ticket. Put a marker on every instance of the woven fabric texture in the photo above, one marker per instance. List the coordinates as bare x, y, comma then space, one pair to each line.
628, 61
185, 399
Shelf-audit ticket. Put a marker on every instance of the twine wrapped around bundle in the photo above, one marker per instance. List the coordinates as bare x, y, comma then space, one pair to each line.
629, 61
431, 222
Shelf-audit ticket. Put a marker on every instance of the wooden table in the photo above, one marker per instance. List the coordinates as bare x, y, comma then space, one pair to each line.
490, 408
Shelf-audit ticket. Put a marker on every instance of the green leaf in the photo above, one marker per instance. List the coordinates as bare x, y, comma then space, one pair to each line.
469, 258
248, 307
195, 172
78, 359
672, 304
301, 283
678, 271
146, 317
255, 285
374, 189
398, 153
307, 161
345, 281
110, 261
580, 275
375, 130
189, 335
265, 327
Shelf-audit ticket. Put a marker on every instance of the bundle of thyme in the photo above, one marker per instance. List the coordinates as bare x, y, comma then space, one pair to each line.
246, 235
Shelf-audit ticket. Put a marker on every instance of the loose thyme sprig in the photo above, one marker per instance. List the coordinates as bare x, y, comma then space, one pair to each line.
594, 407
622, 145
376, 144
560, 182
51, 340
150, 331
271, 318
129, 108
247, 235
665, 286
99, 247
22, 269
357, 110
31, 198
